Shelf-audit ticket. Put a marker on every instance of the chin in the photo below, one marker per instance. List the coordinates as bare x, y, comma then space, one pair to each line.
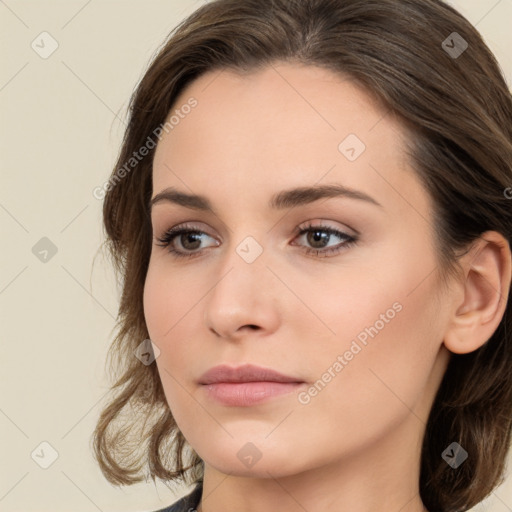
253, 459
269, 468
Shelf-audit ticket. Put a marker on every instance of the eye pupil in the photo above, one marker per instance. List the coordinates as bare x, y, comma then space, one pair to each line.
318, 236
193, 238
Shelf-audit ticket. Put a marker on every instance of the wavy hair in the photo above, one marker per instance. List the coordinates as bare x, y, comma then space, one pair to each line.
458, 111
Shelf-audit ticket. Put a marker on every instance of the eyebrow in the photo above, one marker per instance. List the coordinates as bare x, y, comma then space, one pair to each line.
290, 198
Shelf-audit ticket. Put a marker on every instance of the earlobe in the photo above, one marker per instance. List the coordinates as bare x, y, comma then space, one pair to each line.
487, 270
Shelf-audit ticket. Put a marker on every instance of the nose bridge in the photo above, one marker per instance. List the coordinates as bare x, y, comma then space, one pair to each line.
242, 295
243, 274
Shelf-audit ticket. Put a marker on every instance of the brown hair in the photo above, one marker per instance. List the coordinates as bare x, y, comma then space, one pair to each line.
459, 112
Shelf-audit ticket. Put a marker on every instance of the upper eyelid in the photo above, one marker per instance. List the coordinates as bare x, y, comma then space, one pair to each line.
316, 222
186, 225
154, 216
324, 224
306, 209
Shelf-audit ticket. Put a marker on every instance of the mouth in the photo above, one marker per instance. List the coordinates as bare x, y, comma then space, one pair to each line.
244, 394
246, 385
245, 373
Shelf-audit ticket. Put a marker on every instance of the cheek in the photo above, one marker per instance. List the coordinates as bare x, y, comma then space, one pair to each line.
170, 299
167, 313
163, 309
388, 330
153, 300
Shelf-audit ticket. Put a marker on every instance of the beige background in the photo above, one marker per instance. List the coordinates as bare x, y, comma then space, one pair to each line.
61, 126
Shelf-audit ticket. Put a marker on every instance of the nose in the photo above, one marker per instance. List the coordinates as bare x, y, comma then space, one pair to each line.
244, 299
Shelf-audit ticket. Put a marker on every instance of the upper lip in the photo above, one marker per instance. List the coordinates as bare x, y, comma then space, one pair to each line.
245, 373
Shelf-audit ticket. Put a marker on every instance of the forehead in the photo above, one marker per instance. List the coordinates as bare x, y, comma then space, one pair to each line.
280, 126
296, 101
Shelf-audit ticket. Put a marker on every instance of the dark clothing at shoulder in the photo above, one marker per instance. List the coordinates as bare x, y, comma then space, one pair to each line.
188, 503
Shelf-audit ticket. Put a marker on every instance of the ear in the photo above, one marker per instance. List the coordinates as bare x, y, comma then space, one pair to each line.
485, 289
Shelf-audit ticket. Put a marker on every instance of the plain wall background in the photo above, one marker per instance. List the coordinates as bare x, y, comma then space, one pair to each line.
61, 127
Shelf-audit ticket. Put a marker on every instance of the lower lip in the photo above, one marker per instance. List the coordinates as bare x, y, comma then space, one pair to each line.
244, 394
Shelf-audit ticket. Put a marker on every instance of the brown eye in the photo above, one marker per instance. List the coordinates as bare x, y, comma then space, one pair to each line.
184, 242
317, 240
190, 241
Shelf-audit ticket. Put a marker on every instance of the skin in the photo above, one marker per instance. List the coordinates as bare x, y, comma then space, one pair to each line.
356, 444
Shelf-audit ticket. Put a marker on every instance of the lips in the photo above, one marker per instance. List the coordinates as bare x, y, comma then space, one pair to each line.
245, 373
247, 385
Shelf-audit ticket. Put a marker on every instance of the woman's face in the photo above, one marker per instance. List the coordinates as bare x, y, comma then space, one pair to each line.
351, 307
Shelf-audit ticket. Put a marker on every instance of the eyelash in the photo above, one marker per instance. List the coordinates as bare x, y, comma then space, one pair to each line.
168, 238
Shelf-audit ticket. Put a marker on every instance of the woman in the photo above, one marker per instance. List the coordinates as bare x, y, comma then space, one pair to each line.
311, 216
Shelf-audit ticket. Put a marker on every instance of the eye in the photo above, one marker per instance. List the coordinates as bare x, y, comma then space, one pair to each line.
185, 241
186, 238
320, 239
